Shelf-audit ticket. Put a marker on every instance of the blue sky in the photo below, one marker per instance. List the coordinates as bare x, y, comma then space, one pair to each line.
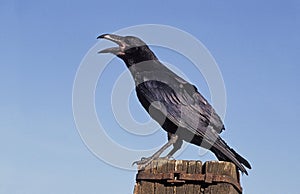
255, 43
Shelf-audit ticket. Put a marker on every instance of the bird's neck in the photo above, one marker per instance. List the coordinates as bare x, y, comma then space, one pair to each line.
141, 66
137, 55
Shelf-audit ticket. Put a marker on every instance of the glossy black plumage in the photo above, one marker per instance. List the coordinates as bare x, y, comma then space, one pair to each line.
172, 101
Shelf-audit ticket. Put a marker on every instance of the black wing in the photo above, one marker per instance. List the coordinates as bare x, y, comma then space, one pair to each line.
181, 103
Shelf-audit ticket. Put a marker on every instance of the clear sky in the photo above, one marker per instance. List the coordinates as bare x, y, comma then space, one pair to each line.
255, 43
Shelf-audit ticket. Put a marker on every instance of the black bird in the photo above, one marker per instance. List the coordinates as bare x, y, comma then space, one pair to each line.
173, 102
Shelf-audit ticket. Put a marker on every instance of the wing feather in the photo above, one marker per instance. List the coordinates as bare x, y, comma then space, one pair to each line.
185, 107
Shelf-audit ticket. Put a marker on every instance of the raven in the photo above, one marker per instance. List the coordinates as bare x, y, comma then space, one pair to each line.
173, 102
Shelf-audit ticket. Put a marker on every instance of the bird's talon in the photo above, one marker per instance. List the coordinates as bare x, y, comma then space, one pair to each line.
143, 163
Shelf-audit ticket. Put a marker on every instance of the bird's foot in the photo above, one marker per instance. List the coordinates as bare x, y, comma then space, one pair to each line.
144, 162
167, 158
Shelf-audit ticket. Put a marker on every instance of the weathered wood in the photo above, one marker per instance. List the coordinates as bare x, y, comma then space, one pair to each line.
170, 168
146, 186
190, 170
188, 177
221, 168
198, 170
161, 167
180, 166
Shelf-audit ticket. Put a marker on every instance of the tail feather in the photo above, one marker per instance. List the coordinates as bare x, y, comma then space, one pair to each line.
241, 159
225, 153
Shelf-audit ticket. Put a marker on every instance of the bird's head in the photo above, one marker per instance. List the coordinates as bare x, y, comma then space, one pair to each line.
130, 49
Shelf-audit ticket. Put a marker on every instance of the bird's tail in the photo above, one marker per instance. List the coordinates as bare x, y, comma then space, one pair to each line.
225, 153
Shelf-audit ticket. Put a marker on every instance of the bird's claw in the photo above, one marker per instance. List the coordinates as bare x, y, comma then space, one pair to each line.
167, 158
139, 161
143, 163
170, 157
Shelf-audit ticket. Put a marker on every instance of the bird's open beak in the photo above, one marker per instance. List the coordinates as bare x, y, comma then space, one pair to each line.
120, 50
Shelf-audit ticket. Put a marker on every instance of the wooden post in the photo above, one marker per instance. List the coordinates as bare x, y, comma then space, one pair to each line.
188, 177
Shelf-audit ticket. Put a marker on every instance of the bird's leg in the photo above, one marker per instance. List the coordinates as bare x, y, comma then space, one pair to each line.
176, 146
146, 161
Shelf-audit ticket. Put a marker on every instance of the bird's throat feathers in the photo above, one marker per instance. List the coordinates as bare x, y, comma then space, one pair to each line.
137, 55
